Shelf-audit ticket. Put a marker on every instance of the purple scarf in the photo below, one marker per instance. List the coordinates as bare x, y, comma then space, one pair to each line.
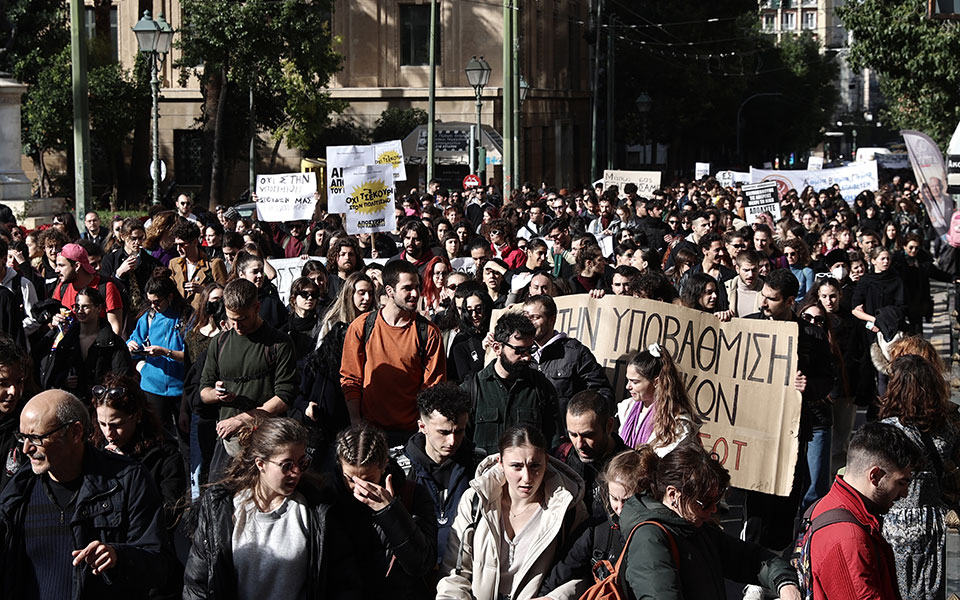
632, 435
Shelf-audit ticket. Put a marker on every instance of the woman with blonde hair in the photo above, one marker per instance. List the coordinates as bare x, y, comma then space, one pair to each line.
266, 530
658, 413
160, 236
357, 296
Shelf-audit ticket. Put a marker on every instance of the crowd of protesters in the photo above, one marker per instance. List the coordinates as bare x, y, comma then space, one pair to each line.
174, 425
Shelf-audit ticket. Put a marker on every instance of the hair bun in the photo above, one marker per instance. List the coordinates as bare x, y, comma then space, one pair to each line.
162, 272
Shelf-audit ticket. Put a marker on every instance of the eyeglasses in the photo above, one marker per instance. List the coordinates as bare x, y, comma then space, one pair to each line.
521, 350
37, 440
114, 393
453, 286
156, 302
815, 319
288, 465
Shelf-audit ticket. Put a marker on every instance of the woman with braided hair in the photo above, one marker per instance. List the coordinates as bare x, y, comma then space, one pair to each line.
658, 412
267, 530
392, 520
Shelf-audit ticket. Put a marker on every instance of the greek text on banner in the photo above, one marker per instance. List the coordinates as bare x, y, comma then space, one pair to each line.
286, 197
739, 376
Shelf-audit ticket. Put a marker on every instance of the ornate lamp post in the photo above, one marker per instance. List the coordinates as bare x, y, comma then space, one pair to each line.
154, 39
478, 76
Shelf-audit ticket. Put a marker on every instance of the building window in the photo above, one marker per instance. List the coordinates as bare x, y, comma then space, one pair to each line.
769, 21
788, 21
809, 19
415, 35
188, 156
90, 24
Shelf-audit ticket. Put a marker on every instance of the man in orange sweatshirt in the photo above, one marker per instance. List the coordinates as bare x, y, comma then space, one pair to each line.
388, 357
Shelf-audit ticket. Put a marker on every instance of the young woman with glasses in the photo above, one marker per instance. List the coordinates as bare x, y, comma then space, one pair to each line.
266, 530
80, 357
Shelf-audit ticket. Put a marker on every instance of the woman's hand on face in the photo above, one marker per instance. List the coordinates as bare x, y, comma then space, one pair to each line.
373, 495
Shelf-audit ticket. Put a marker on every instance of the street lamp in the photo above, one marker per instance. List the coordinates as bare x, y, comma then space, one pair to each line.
524, 89
644, 104
478, 76
154, 39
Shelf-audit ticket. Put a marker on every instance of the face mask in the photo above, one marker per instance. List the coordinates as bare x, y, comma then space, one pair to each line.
839, 272
214, 306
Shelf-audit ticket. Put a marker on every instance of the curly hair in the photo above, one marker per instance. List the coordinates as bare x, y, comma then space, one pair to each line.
915, 344
161, 223
694, 472
917, 394
670, 395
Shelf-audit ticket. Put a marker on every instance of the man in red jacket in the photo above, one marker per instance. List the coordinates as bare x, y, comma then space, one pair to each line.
851, 560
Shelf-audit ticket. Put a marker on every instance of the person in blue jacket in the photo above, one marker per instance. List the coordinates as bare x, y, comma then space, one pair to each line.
158, 339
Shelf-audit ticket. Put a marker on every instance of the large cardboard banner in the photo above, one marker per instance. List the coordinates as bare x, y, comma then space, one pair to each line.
739, 376
370, 199
286, 197
852, 179
761, 198
391, 153
646, 181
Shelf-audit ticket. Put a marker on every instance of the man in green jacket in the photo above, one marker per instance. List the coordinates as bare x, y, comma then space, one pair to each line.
508, 392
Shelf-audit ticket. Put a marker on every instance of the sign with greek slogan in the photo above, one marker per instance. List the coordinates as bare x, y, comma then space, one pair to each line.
286, 197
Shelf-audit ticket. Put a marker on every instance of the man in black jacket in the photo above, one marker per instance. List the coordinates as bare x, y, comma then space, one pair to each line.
565, 361
80, 522
439, 456
769, 520
593, 442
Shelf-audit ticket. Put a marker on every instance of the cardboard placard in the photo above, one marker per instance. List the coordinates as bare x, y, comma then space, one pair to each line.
761, 198
286, 197
739, 376
370, 199
646, 181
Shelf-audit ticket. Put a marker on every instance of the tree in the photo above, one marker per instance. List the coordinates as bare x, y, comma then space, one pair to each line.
282, 49
915, 60
397, 123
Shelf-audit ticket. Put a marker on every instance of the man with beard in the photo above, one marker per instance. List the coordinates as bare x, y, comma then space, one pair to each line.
416, 245
507, 392
14, 377
390, 355
343, 259
593, 441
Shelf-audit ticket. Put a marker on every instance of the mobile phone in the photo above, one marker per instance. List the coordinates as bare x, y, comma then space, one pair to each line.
220, 388
868, 325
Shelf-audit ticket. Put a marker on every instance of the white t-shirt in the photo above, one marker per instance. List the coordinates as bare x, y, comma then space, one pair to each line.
270, 549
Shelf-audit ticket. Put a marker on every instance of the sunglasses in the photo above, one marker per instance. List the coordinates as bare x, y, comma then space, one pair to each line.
99, 391
308, 295
288, 465
521, 350
496, 232
815, 319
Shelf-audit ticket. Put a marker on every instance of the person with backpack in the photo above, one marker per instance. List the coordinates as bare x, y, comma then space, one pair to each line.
674, 550
391, 354
76, 273
513, 523
850, 558
593, 554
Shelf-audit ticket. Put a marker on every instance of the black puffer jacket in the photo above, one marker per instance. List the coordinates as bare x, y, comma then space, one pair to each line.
107, 354
572, 368
397, 546
210, 571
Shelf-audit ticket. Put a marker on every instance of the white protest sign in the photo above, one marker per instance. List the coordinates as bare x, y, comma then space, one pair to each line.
701, 170
286, 197
646, 181
370, 199
732, 178
852, 179
815, 163
391, 153
288, 271
338, 159
761, 198
463, 265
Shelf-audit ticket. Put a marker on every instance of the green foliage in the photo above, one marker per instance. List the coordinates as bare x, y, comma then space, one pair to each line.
915, 59
47, 111
41, 32
396, 123
282, 48
117, 98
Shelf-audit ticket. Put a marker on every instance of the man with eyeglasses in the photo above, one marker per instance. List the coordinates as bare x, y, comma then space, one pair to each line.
94, 232
193, 269
508, 392
80, 522
15, 376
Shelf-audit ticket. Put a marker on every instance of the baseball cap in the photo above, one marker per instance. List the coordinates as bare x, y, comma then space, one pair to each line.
76, 253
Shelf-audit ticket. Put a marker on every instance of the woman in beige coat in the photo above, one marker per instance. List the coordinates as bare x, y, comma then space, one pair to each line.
519, 510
